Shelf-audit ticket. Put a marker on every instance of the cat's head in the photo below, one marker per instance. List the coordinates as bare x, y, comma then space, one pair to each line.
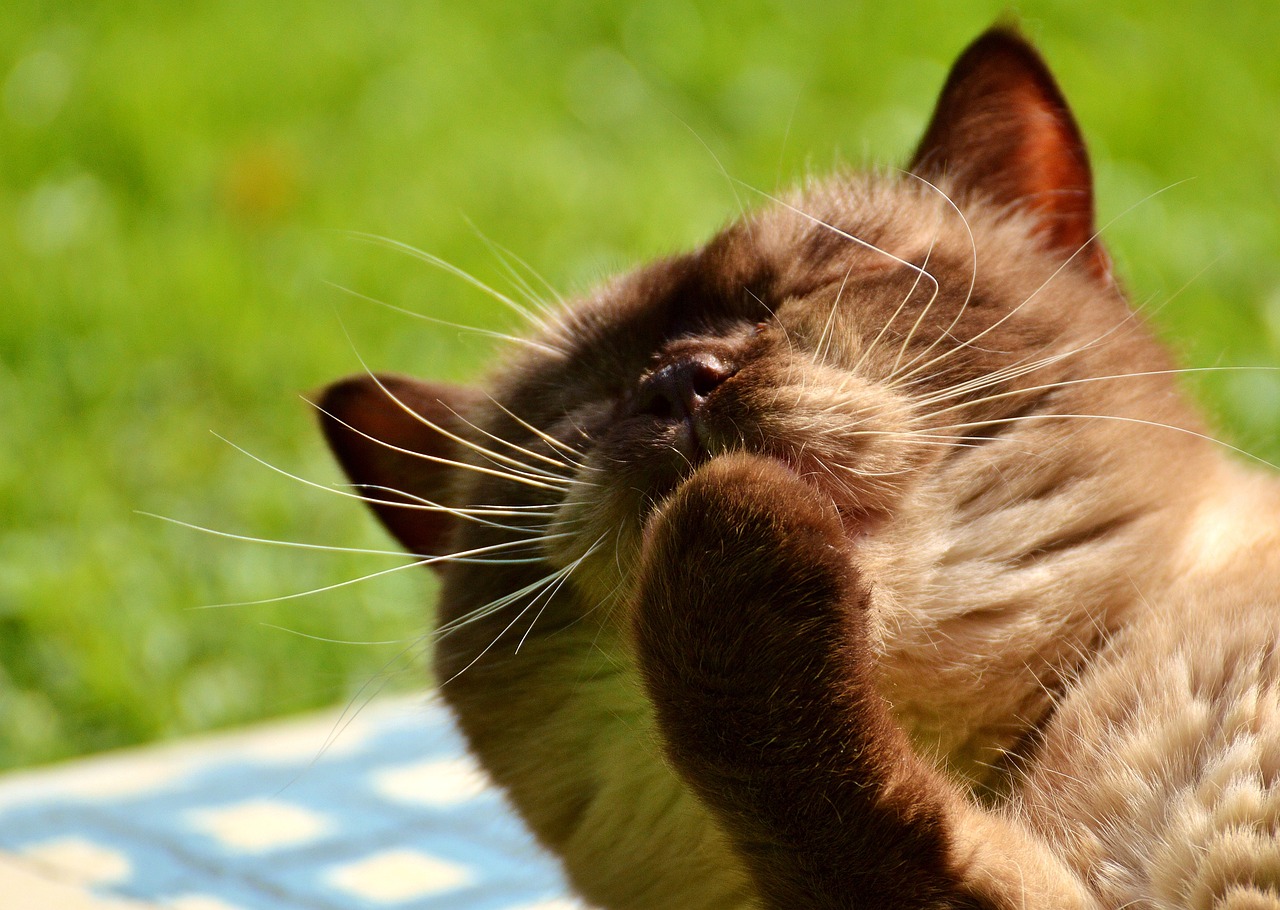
924, 345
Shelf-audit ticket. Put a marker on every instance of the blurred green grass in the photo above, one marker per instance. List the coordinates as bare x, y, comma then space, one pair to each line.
176, 188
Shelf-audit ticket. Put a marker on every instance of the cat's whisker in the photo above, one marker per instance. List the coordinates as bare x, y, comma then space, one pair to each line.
351, 711
549, 594
1018, 369
522, 467
1013, 371
561, 463
551, 579
466, 557
732, 181
1116, 417
862, 472
572, 455
850, 237
297, 595
824, 339
293, 544
474, 330
786, 336
338, 641
549, 483
1024, 367
418, 503
973, 272
361, 551
950, 443
496, 605
1099, 232
1066, 383
902, 304
505, 256
451, 269
774, 316
422, 504
925, 310
937, 439
1056, 272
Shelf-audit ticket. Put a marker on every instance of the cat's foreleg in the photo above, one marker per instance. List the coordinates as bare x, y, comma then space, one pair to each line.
751, 631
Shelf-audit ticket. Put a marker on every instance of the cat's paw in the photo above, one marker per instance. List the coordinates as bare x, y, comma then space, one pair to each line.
746, 568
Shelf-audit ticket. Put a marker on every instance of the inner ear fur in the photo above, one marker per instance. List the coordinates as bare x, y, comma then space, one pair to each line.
1002, 130
385, 431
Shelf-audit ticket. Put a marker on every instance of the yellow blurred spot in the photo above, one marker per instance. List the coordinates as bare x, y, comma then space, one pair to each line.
261, 182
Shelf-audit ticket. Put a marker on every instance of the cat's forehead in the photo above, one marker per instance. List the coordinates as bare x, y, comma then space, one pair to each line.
870, 240
836, 232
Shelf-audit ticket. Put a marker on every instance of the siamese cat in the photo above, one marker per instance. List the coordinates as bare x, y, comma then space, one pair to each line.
866, 557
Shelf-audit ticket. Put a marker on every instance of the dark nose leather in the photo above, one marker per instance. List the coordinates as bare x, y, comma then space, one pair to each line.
676, 390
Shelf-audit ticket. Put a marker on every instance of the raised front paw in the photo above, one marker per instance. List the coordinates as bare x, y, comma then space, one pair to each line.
746, 569
750, 632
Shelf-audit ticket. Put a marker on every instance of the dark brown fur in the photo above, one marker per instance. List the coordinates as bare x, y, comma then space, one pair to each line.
751, 631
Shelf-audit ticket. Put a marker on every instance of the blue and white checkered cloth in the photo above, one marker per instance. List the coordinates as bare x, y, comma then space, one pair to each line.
379, 808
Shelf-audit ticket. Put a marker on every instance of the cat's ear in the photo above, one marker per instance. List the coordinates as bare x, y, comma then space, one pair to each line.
380, 427
1002, 130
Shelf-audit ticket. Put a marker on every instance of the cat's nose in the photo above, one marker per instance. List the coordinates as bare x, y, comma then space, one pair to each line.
677, 389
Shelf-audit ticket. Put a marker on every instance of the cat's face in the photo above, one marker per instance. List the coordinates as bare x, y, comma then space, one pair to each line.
868, 331
841, 331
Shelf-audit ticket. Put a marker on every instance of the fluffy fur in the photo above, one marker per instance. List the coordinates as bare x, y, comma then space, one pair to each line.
866, 557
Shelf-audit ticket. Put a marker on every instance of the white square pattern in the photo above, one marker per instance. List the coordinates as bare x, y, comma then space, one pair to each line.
260, 824
398, 875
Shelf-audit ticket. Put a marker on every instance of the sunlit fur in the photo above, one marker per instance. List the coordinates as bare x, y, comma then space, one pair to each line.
1070, 591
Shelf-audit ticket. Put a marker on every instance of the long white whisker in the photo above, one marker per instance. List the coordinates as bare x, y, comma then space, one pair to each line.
300, 594
550, 583
824, 340
558, 462
506, 256
1023, 368
453, 270
419, 503
336, 641
1117, 417
1046, 282
490, 645
496, 605
545, 437
488, 333
875, 344
973, 272
847, 236
549, 595
454, 437
1070, 382
298, 545
427, 505
557, 484
732, 181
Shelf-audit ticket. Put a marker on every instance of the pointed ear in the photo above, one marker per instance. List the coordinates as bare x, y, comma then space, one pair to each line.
375, 425
1002, 130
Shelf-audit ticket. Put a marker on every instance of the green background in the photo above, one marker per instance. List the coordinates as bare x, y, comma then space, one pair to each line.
177, 187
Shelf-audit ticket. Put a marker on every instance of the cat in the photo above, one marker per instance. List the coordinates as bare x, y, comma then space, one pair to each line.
867, 556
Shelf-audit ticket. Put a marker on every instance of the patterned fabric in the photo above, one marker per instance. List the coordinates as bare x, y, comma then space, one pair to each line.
377, 808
